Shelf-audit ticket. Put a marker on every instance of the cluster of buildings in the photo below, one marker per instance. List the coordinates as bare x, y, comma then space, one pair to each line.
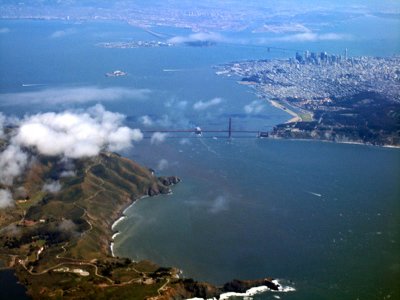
211, 17
134, 44
315, 58
317, 77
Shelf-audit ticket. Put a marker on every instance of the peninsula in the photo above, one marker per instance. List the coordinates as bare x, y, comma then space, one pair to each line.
329, 97
57, 235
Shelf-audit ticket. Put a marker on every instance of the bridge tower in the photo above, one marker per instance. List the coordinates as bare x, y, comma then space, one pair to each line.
230, 128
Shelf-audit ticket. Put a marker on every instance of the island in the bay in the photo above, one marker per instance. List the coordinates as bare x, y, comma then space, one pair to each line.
330, 97
154, 44
134, 44
56, 230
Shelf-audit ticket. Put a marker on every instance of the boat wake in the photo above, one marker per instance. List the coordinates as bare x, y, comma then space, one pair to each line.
315, 194
32, 84
173, 70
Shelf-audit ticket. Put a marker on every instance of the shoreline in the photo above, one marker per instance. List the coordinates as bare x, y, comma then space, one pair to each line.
273, 137
120, 219
251, 292
295, 116
122, 216
303, 116
258, 290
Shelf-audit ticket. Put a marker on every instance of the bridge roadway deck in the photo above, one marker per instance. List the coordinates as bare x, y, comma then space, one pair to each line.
202, 131
229, 133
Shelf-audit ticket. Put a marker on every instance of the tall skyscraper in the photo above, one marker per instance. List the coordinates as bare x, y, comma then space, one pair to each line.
299, 57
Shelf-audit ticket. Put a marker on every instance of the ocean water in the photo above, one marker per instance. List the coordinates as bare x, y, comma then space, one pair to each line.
10, 288
321, 217
318, 214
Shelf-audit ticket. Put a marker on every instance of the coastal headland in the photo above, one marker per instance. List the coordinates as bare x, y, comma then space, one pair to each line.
329, 97
58, 242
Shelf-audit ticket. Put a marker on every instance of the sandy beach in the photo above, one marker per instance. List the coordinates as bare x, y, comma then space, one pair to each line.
296, 117
119, 220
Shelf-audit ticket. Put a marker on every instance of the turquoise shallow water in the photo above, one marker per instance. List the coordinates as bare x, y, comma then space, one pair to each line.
323, 216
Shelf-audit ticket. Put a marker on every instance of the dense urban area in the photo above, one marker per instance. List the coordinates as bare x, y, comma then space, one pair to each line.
315, 76
185, 15
335, 97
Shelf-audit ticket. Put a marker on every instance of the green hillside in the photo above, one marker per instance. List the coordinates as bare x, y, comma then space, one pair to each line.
47, 235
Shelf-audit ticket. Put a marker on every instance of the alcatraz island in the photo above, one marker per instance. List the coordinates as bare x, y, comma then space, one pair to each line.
330, 97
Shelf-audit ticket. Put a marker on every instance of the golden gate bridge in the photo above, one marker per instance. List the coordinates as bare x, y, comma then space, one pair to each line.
199, 132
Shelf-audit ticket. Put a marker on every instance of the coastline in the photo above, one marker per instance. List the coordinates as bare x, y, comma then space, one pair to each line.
333, 142
253, 291
122, 216
258, 290
277, 286
347, 111
295, 116
120, 219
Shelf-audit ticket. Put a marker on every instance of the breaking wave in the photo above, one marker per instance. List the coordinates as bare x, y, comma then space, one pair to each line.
253, 291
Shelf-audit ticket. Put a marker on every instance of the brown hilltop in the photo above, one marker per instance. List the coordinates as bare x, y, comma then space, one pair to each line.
47, 232
59, 242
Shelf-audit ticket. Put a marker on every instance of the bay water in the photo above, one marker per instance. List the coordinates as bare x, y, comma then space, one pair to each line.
321, 217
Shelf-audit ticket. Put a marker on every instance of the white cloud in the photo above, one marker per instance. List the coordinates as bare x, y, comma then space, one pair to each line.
52, 186
174, 119
77, 134
69, 173
74, 95
67, 225
173, 103
146, 120
202, 105
20, 193
5, 198
313, 37
62, 33
12, 229
122, 138
182, 104
219, 204
4, 30
165, 121
68, 134
12, 162
68, 166
255, 107
2, 123
197, 37
158, 138
162, 164
283, 28
184, 142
